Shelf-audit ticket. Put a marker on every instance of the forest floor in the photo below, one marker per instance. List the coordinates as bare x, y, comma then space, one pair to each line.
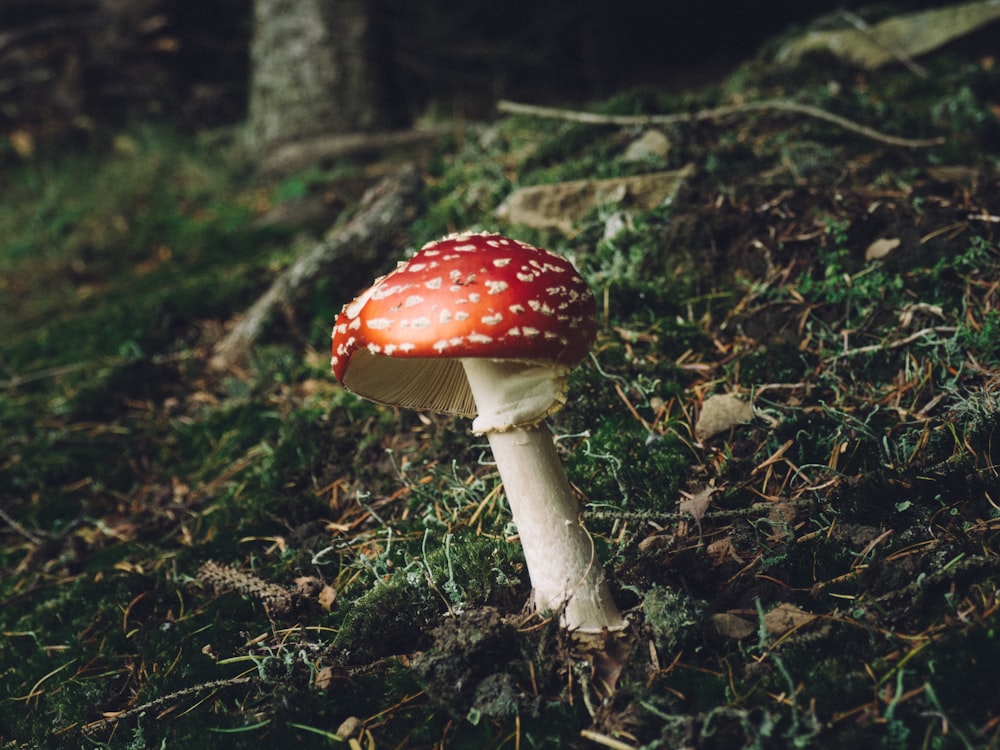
256, 558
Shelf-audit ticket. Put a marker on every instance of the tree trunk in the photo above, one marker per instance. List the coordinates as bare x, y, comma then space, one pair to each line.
315, 71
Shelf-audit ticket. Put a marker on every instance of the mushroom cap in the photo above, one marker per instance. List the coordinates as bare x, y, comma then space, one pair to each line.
402, 341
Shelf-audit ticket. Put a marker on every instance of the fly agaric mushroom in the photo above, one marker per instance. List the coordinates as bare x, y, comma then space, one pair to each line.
484, 326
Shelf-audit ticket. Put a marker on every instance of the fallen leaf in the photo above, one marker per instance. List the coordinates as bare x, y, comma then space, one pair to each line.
721, 550
308, 585
23, 143
785, 617
720, 413
881, 248
350, 726
327, 596
323, 679
559, 206
903, 36
732, 626
651, 145
697, 504
782, 512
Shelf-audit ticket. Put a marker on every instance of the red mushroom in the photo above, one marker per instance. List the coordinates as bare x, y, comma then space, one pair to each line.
484, 326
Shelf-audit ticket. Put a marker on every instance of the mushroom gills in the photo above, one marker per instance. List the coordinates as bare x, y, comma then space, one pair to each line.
412, 382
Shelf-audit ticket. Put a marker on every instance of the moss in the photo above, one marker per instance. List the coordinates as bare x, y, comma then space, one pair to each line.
470, 569
675, 619
622, 466
391, 618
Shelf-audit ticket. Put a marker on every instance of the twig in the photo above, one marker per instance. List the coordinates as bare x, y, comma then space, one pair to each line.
671, 517
894, 344
383, 215
164, 700
776, 105
16, 526
57, 371
301, 154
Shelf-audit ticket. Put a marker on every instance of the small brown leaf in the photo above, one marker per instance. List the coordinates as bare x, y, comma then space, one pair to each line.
732, 626
308, 586
721, 412
323, 679
23, 143
349, 727
697, 504
881, 248
722, 550
785, 617
327, 596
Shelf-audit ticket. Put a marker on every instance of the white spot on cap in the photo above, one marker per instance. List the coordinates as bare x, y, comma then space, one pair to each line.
480, 338
516, 309
525, 277
379, 324
444, 317
541, 307
434, 283
497, 287
492, 320
413, 300
501, 262
383, 292
460, 316
530, 332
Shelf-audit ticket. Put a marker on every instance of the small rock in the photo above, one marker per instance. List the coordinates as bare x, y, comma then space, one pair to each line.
652, 144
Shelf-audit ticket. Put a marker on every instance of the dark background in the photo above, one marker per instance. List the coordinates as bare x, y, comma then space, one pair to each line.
74, 64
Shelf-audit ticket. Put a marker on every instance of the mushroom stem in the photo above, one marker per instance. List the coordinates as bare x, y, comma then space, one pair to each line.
566, 575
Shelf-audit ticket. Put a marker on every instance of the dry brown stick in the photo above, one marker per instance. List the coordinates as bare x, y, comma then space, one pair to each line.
383, 214
162, 701
892, 344
716, 113
301, 154
22, 530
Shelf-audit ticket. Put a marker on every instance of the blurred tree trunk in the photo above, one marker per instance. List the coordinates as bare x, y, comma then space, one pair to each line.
317, 67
